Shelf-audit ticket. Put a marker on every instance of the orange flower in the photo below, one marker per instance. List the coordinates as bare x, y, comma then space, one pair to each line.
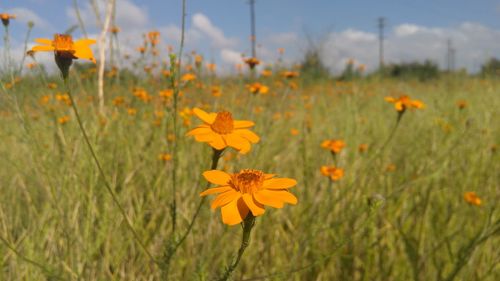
63, 120
335, 146
64, 47
290, 74
332, 172
251, 62
165, 157
220, 131
266, 73
363, 147
114, 29
247, 191
257, 88
472, 198
6, 18
461, 104
404, 102
188, 77
294, 132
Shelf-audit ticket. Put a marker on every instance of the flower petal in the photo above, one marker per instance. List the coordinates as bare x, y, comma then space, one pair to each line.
82, 49
42, 48
199, 131
217, 142
217, 177
204, 116
241, 124
279, 183
266, 197
238, 142
234, 212
205, 138
256, 208
285, 196
225, 198
219, 189
44, 41
247, 134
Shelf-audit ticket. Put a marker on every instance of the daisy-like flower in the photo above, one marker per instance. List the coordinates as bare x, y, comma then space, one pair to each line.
6, 18
247, 191
188, 77
404, 102
290, 74
332, 172
257, 88
65, 50
220, 130
251, 62
472, 198
335, 146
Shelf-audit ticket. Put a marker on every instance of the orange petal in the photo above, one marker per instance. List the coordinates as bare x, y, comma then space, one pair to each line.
269, 176
204, 116
247, 134
204, 138
241, 124
199, 131
284, 196
266, 197
225, 198
399, 106
390, 99
44, 41
217, 142
231, 213
279, 183
42, 48
220, 189
239, 143
217, 177
256, 208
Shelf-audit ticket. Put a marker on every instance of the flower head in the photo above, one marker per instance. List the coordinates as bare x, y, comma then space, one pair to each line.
404, 102
335, 146
247, 191
6, 18
251, 62
332, 172
65, 50
220, 130
257, 88
472, 198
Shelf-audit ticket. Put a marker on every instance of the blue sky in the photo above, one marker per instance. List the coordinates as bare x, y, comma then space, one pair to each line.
344, 29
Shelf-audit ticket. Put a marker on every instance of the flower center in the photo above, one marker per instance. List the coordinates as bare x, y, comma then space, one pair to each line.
247, 181
223, 123
63, 42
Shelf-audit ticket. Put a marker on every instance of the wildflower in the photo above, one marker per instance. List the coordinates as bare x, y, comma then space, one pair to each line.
31, 65
257, 88
65, 50
404, 102
461, 104
165, 157
363, 148
335, 146
332, 172
117, 101
131, 111
247, 191
52, 85
251, 62
63, 120
472, 198
266, 73
63, 98
141, 50
154, 37
216, 91
281, 51
390, 168
211, 67
114, 29
290, 74
6, 18
188, 77
294, 132
44, 100
220, 130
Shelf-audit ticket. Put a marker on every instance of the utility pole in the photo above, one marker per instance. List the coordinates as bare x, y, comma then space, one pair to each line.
381, 25
253, 37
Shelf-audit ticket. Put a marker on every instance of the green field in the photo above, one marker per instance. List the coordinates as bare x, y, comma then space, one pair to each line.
398, 213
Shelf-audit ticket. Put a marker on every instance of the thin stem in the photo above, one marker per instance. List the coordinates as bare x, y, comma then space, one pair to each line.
172, 249
176, 79
103, 176
248, 224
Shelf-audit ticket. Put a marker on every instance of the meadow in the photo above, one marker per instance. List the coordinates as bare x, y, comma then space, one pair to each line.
384, 179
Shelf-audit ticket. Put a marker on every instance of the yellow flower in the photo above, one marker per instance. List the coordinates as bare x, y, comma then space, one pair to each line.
266, 73
6, 18
251, 62
216, 91
332, 172
188, 77
220, 131
472, 198
290, 74
404, 102
64, 47
335, 146
63, 120
363, 147
247, 191
165, 157
294, 132
257, 88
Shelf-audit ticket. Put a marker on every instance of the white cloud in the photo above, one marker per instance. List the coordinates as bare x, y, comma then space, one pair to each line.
231, 57
217, 37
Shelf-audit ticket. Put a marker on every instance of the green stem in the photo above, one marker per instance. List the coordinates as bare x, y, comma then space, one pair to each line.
248, 224
103, 176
